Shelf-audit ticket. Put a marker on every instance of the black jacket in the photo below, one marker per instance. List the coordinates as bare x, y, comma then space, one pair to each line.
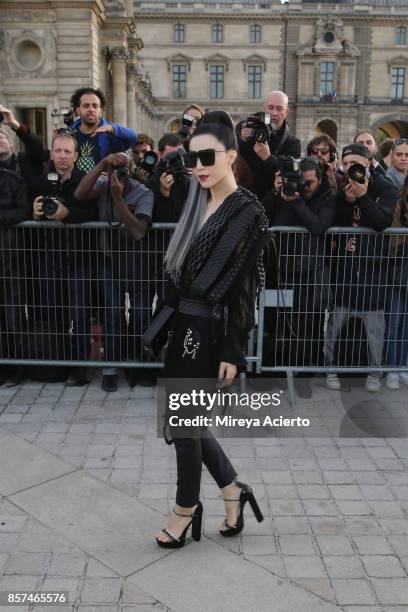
302, 252
280, 144
79, 211
29, 164
14, 204
168, 210
360, 270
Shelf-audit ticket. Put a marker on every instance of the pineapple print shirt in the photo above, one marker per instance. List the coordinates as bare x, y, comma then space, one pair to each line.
89, 153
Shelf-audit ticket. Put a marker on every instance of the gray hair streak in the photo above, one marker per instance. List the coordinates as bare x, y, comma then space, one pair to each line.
187, 227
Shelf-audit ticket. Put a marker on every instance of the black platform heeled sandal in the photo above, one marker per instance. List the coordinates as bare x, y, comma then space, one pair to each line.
196, 520
245, 496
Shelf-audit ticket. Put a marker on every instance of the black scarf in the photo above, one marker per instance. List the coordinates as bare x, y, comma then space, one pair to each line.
228, 244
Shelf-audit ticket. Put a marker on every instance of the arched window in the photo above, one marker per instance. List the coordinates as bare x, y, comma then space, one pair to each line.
327, 126
401, 35
255, 33
179, 32
217, 33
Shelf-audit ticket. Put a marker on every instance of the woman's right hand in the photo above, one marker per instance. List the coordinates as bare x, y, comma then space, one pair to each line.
226, 374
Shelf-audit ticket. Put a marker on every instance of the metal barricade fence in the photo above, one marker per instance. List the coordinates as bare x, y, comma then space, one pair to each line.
336, 302
78, 294
82, 295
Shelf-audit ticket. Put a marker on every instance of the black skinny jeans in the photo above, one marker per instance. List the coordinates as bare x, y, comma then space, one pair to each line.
191, 454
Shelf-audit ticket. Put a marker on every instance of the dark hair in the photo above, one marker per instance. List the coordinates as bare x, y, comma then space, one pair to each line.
321, 139
82, 91
218, 123
171, 140
309, 163
362, 131
386, 146
144, 139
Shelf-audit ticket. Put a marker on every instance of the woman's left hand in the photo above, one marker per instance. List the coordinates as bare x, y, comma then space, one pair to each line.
226, 373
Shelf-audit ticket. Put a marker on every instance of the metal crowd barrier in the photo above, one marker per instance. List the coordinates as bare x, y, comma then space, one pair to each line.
336, 302
82, 295
78, 294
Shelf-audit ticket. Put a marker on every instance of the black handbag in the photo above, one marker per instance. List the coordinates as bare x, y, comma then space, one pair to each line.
156, 335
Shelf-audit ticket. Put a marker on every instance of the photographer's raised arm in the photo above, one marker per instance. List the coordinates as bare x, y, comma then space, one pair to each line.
85, 189
135, 226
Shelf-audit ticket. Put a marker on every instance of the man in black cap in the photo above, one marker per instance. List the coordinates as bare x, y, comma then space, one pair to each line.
359, 274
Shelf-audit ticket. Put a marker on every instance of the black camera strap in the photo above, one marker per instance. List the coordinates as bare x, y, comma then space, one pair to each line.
282, 141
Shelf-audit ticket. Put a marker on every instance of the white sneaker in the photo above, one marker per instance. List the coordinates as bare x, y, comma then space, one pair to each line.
403, 376
373, 383
332, 382
392, 380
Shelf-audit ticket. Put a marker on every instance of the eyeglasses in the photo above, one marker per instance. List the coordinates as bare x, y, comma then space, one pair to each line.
322, 151
206, 157
399, 141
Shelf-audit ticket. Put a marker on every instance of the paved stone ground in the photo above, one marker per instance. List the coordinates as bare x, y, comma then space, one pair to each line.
336, 510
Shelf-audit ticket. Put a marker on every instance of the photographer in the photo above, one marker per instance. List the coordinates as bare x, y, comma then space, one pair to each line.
302, 197
170, 181
366, 138
190, 117
61, 188
96, 137
14, 208
144, 144
262, 152
324, 149
124, 266
63, 257
28, 164
359, 265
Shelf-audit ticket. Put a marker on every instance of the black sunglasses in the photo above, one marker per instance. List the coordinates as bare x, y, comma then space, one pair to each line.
206, 157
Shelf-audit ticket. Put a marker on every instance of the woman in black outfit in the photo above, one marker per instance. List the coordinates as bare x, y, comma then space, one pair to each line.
215, 263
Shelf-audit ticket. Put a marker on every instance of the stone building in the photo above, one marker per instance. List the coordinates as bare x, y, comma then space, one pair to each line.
343, 64
48, 49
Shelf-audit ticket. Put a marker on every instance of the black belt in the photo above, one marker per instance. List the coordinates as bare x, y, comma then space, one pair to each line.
194, 308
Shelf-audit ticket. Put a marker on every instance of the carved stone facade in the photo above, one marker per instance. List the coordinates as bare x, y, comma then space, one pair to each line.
344, 65
334, 59
45, 55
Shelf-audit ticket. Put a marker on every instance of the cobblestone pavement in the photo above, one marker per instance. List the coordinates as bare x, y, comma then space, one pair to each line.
336, 509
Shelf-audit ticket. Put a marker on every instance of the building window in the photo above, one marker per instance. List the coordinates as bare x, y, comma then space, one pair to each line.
397, 83
255, 33
179, 32
326, 79
254, 81
401, 35
216, 81
179, 79
217, 33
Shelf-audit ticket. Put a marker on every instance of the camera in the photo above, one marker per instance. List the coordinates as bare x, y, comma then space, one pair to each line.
173, 163
68, 116
358, 173
49, 206
122, 172
186, 123
293, 180
262, 126
50, 201
148, 162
